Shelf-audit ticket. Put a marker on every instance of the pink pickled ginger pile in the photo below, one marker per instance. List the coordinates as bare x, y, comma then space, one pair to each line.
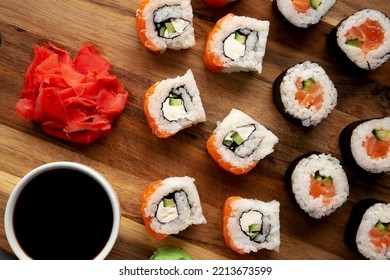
77, 99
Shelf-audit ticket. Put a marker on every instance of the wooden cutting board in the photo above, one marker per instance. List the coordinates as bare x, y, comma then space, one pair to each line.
130, 157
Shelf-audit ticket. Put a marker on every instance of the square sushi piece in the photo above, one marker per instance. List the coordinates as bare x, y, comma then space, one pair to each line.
250, 225
236, 43
172, 105
239, 143
165, 24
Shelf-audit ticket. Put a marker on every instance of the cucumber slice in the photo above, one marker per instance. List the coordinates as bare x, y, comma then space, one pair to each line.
318, 176
327, 180
237, 138
227, 142
240, 37
315, 3
169, 202
253, 235
382, 228
307, 84
171, 29
354, 43
175, 102
254, 228
381, 134
161, 32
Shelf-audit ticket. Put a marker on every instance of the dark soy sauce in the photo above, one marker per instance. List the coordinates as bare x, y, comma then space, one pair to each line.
63, 214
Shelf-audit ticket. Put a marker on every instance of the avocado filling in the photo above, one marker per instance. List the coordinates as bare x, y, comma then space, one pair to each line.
167, 210
173, 108
354, 43
251, 223
381, 134
239, 42
315, 3
171, 28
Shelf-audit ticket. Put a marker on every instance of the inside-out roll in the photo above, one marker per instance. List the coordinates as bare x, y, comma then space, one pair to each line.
250, 225
236, 43
171, 205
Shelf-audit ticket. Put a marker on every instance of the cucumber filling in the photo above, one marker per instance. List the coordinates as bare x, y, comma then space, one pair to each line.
239, 42
173, 107
307, 84
322, 179
315, 3
171, 27
354, 43
167, 210
381, 134
237, 137
251, 223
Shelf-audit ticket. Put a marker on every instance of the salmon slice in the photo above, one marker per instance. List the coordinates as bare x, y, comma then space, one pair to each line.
227, 213
141, 27
313, 97
324, 188
375, 148
301, 6
146, 195
370, 34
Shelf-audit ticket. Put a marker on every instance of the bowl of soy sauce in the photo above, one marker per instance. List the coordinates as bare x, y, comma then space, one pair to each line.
62, 211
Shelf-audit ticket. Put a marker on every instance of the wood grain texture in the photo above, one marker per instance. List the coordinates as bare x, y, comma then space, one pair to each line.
131, 157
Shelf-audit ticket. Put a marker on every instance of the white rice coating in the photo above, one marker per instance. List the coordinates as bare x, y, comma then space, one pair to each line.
235, 119
312, 16
187, 216
253, 59
193, 105
377, 212
374, 58
270, 211
327, 165
305, 70
359, 153
181, 9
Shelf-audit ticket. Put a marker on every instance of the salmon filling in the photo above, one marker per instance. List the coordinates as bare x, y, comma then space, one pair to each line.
367, 36
301, 6
321, 185
380, 236
376, 148
309, 93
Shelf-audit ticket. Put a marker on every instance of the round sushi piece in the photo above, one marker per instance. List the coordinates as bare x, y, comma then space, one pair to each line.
304, 94
171, 253
250, 225
366, 144
165, 24
302, 13
236, 43
239, 143
368, 230
171, 205
364, 39
172, 105
319, 184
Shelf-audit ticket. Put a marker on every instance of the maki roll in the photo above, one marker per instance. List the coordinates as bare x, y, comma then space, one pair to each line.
366, 144
236, 43
250, 225
319, 184
368, 229
364, 38
172, 105
304, 94
170, 206
302, 13
239, 143
165, 24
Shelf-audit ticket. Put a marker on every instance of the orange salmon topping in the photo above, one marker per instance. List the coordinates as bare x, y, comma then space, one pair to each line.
370, 34
322, 187
375, 148
313, 97
301, 6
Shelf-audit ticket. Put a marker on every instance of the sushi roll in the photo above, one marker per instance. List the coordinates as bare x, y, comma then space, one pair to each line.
236, 43
172, 105
363, 39
368, 229
239, 143
171, 205
250, 225
302, 13
366, 144
304, 94
318, 183
165, 24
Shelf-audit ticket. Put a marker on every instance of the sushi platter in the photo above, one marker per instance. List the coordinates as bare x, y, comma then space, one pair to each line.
137, 151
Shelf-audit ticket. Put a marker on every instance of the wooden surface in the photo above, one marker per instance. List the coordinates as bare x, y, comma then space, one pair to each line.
130, 157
